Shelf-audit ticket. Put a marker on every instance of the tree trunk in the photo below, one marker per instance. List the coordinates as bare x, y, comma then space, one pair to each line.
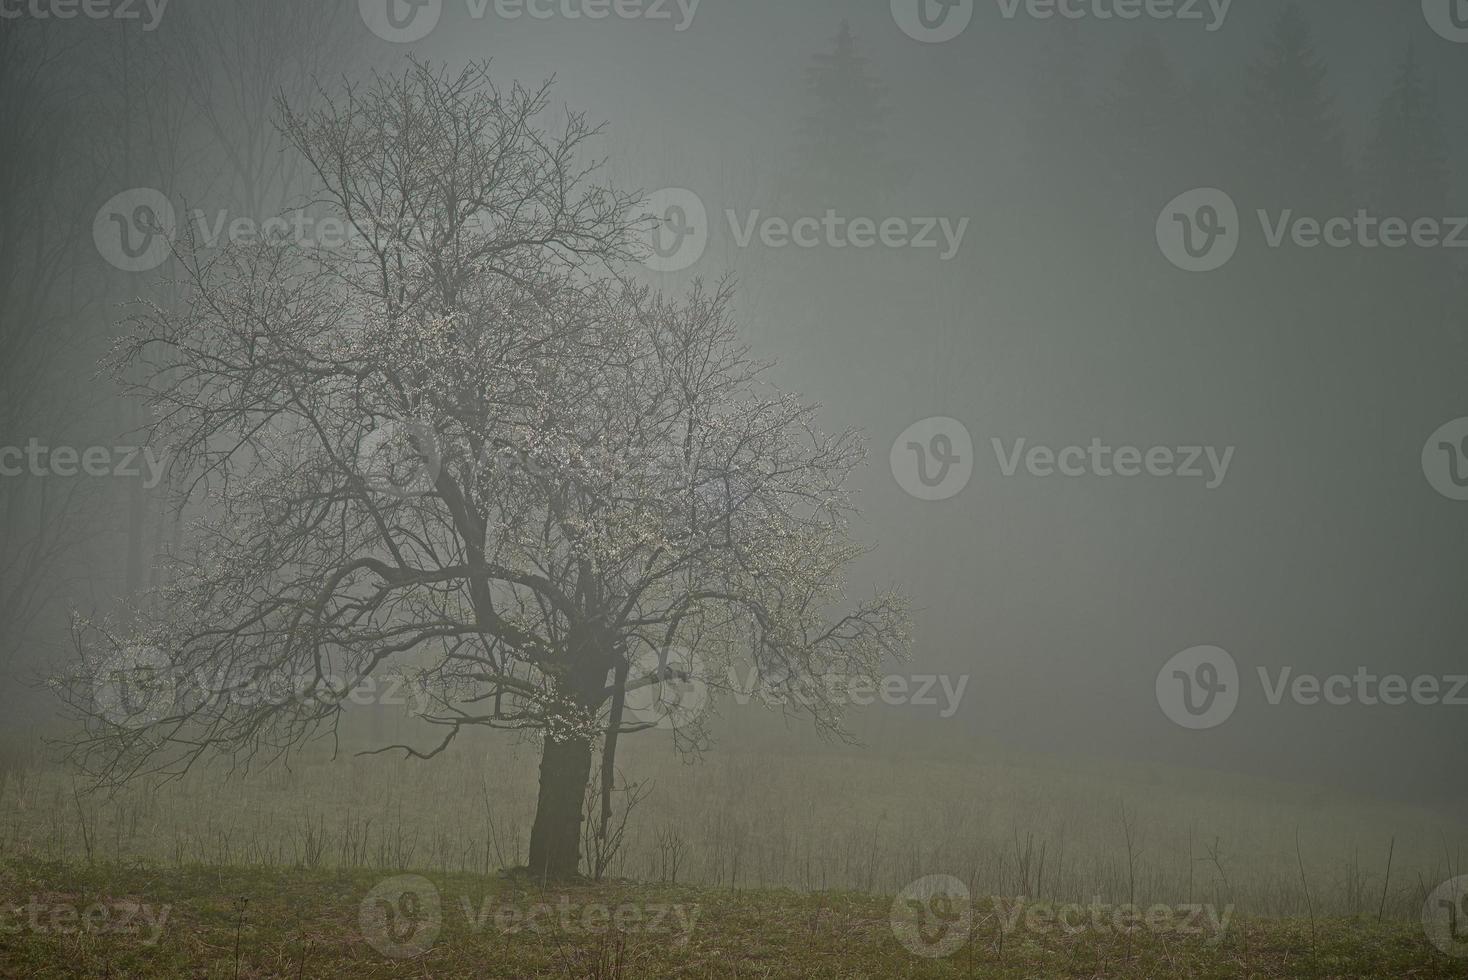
555, 838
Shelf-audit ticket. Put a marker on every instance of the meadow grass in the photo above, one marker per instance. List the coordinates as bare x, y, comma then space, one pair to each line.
792, 857
234, 922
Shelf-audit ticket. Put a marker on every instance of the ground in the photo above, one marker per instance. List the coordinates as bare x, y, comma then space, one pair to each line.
251, 922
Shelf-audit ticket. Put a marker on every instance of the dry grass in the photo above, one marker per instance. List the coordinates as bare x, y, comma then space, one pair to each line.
249, 923
814, 822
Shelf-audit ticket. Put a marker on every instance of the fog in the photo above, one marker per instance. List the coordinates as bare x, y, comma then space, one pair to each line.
1149, 316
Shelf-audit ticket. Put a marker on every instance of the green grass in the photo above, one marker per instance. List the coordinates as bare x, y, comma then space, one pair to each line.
288, 923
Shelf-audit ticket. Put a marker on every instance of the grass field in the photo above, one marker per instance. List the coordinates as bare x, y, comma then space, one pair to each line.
238, 922
764, 817
754, 862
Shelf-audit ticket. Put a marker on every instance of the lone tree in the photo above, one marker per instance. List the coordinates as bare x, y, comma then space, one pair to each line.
469, 446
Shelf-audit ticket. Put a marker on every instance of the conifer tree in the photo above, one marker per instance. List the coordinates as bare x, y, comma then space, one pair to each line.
1293, 146
844, 156
1406, 165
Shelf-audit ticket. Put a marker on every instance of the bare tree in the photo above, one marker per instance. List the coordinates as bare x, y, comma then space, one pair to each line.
471, 448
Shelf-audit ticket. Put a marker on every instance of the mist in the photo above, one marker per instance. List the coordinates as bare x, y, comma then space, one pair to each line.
987, 454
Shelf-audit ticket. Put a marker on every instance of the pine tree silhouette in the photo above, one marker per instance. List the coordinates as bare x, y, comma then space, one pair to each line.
1406, 176
1293, 146
844, 156
1406, 164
